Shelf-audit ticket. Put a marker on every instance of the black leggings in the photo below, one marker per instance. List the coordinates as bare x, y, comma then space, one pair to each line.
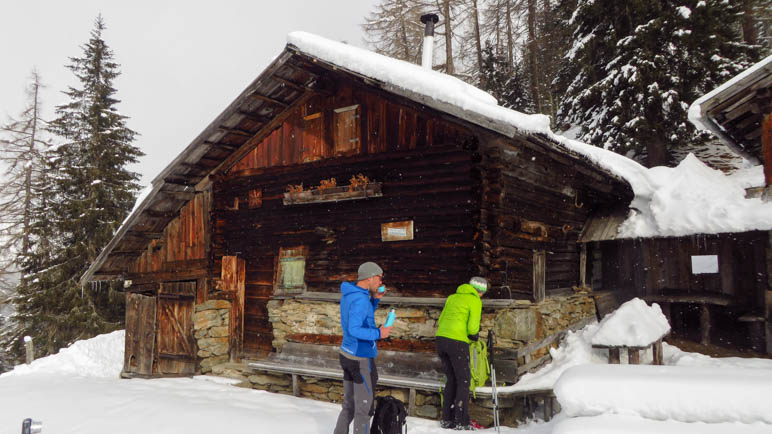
455, 398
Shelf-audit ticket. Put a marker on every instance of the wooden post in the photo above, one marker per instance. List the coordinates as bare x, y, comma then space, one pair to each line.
613, 355
411, 403
633, 356
295, 385
548, 409
657, 353
539, 275
583, 264
768, 296
766, 146
30, 347
233, 276
704, 324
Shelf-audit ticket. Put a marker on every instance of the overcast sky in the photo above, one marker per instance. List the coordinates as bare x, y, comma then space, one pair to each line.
182, 62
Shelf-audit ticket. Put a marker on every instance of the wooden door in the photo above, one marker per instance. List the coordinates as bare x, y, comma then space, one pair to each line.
259, 288
176, 346
251, 285
140, 335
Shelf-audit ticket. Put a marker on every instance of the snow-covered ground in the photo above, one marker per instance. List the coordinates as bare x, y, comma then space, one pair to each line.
78, 391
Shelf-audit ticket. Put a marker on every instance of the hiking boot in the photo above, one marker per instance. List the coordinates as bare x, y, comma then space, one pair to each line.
446, 424
465, 428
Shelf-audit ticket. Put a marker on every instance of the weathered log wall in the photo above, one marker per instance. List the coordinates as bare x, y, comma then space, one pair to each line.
535, 202
661, 265
478, 205
314, 130
181, 252
174, 270
433, 189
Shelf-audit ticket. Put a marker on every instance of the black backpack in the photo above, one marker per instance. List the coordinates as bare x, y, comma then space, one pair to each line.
390, 416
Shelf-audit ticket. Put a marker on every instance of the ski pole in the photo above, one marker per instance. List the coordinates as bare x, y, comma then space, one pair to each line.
493, 382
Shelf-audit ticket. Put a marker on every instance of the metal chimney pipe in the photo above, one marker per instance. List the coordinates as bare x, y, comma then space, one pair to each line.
429, 21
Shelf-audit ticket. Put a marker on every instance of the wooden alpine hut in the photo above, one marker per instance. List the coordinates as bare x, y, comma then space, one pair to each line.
333, 156
705, 254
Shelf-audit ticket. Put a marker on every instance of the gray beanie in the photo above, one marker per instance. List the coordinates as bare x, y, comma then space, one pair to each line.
479, 283
369, 269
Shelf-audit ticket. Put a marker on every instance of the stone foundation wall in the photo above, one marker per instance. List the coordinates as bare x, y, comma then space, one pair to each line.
427, 403
515, 327
523, 323
210, 325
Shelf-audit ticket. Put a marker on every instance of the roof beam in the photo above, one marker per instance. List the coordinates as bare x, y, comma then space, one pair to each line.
181, 195
160, 214
254, 117
236, 131
183, 181
289, 83
261, 97
226, 146
146, 235
125, 253
300, 68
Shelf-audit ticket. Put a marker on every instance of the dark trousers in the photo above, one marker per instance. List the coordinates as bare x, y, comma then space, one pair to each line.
455, 398
359, 380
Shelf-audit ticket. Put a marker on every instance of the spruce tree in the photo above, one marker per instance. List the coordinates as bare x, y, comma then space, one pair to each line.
636, 66
508, 84
90, 192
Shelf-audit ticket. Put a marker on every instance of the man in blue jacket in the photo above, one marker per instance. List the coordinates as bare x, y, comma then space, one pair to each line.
358, 349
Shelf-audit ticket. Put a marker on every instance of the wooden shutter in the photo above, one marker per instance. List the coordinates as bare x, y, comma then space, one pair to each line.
347, 130
291, 270
312, 138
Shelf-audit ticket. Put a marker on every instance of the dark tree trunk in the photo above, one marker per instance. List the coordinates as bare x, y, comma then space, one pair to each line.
532, 50
448, 38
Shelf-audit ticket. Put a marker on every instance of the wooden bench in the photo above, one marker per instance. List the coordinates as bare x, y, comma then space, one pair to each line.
633, 352
704, 300
408, 370
416, 370
412, 371
756, 330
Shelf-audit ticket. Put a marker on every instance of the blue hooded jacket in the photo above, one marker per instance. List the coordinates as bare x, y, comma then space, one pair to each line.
357, 318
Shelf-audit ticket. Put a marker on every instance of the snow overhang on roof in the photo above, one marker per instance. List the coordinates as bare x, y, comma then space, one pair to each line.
733, 111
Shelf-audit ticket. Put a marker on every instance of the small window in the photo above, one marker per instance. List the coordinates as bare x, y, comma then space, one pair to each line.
347, 130
291, 270
255, 198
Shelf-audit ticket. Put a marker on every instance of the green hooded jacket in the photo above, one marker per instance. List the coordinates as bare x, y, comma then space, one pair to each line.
461, 315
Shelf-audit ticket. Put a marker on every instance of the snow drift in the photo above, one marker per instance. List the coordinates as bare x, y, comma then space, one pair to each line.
684, 394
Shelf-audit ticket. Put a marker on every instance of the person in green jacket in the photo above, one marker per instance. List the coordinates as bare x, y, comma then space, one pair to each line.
459, 324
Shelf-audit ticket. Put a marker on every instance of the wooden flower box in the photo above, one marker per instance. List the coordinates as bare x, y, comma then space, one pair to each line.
334, 194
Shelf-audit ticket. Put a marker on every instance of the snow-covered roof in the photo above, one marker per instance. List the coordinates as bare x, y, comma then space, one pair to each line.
435, 89
689, 199
708, 112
